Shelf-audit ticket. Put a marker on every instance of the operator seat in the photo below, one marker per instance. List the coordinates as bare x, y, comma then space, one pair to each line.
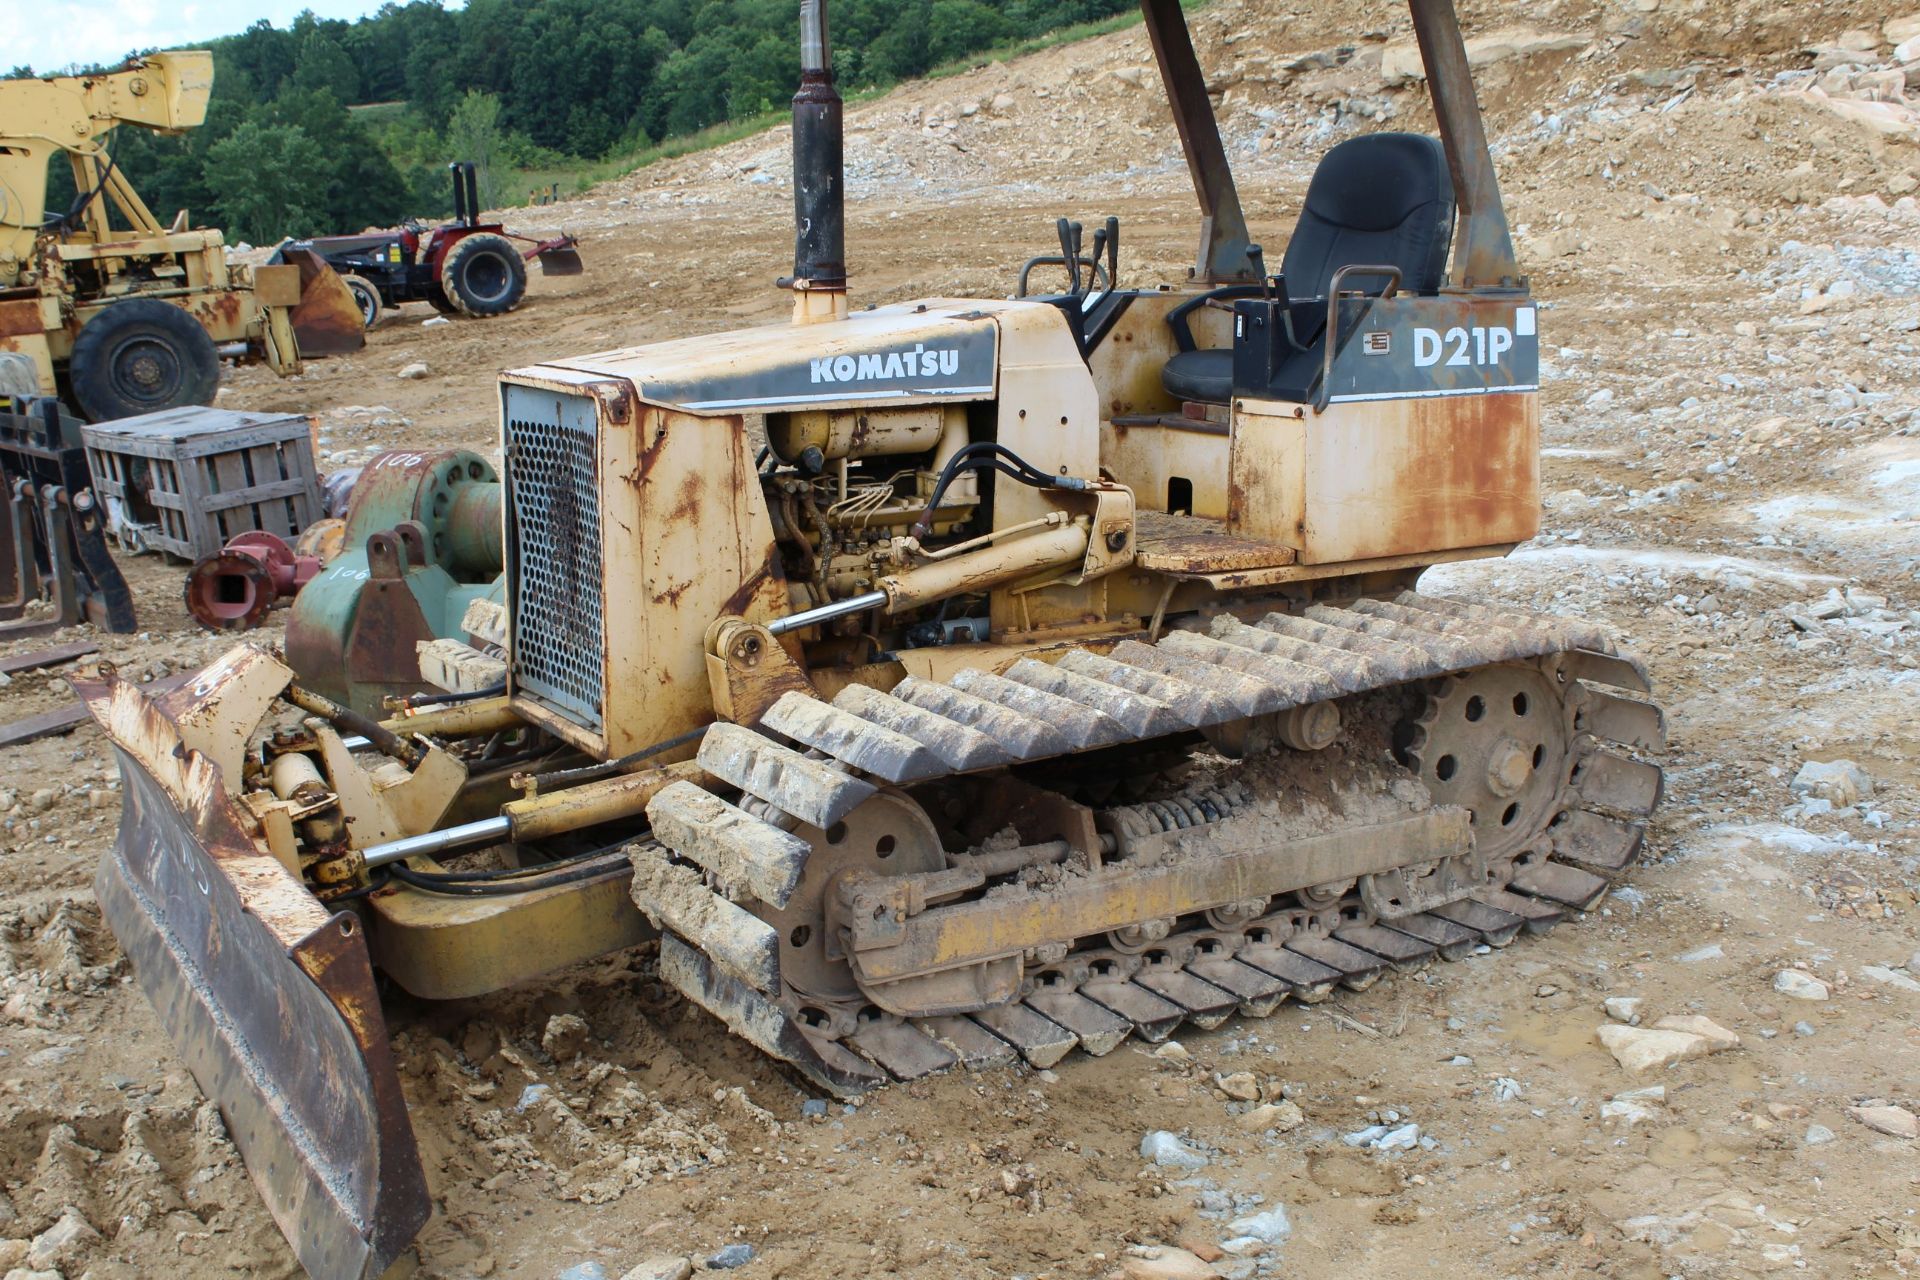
1381, 198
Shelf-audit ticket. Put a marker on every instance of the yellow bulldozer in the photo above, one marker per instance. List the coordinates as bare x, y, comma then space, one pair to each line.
132, 317
936, 686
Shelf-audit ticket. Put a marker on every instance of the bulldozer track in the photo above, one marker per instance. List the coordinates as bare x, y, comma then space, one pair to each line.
1513, 703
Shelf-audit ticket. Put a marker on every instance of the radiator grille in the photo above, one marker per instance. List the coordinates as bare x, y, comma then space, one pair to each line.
554, 572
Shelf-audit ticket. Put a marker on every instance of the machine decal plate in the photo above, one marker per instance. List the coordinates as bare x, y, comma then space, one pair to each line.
954, 358
1411, 348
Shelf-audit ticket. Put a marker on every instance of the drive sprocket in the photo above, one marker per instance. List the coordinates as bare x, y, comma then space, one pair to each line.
1498, 742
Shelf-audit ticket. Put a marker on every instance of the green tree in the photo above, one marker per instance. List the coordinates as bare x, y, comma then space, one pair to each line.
360, 185
473, 133
324, 65
269, 182
956, 28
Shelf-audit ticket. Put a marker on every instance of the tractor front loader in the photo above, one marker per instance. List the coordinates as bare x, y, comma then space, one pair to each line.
131, 319
942, 685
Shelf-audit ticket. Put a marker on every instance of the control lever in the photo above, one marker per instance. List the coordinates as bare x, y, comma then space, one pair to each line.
1099, 247
1068, 250
1258, 260
1113, 253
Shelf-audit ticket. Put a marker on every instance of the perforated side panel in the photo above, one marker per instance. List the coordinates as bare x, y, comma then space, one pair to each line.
553, 548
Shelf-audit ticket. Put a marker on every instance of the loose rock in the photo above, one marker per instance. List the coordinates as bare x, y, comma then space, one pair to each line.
565, 1036
1643, 1048
1842, 782
1717, 1037
1282, 1117
1634, 1105
1800, 985
1889, 978
71, 1234
1240, 1086
1624, 1008
661, 1269
1169, 1152
415, 371
734, 1255
1896, 1122
1164, 1262
1270, 1226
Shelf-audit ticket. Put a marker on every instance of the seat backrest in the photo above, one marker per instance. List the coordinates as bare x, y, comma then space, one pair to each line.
1381, 198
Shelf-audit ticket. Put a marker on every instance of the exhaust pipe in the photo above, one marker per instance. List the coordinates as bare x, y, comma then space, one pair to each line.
819, 278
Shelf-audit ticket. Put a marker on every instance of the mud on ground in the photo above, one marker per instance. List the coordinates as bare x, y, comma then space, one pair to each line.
1714, 198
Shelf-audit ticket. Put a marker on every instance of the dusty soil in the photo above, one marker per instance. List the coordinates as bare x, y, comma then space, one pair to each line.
1713, 197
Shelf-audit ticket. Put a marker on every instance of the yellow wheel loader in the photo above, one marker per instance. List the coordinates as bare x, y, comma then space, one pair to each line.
131, 319
936, 686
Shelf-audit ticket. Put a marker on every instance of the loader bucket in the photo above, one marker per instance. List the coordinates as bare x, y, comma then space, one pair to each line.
560, 260
327, 321
266, 994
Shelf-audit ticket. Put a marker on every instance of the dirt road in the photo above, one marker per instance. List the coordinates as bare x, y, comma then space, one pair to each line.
1715, 202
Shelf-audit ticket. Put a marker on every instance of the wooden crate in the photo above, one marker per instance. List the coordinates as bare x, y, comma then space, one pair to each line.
191, 478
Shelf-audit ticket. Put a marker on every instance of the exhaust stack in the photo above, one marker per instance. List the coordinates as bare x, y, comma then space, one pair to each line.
819, 280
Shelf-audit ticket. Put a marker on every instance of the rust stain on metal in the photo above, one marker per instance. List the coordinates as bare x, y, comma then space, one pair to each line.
686, 500
19, 317
744, 594
618, 399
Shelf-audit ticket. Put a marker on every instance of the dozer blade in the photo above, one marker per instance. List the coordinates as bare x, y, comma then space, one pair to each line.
560, 260
266, 994
328, 321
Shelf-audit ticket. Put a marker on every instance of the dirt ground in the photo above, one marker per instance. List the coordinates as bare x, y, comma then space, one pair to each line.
1714, 200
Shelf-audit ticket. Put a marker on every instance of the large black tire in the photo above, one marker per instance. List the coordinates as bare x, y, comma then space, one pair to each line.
367, 296
142, 355
484, 275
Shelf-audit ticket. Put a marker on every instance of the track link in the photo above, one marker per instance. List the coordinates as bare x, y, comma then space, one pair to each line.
1095, 998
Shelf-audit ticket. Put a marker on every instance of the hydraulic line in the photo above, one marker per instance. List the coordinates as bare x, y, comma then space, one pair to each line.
989, 455
496, 889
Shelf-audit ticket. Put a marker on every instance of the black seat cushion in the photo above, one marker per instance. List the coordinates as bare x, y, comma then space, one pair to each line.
1381, 198
1205, 376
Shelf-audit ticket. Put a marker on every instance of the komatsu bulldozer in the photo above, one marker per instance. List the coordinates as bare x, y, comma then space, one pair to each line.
936, 686
133, 318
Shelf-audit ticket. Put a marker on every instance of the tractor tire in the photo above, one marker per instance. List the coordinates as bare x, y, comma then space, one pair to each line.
366, 296
438, 300
484, 275
139, 356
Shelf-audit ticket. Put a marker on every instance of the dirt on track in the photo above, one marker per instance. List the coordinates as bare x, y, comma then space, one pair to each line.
1715, 202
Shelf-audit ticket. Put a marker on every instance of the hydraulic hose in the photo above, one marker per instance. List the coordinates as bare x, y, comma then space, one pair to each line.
989, 455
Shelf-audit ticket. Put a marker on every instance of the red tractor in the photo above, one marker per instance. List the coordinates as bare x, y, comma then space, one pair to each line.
465, 266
